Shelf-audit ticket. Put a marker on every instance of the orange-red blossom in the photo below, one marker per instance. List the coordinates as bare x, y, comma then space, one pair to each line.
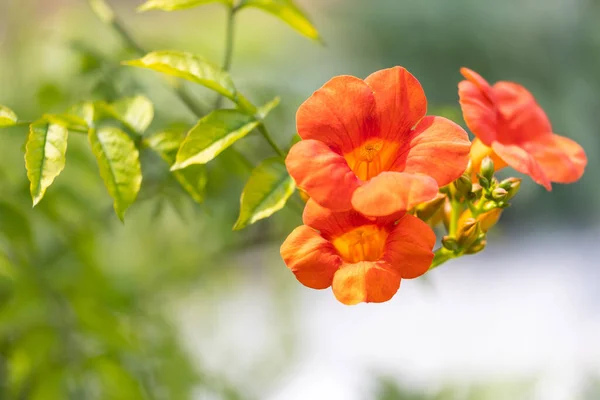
513, 130
363, 259
368, 146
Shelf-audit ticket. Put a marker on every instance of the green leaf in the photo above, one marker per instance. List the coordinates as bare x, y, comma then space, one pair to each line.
266, 192
7, 116
136, 113
193, 178
68, 121
264, 110
83, 111
119, 163
44, 156
211, 135
288, 12
172, 5
188, 66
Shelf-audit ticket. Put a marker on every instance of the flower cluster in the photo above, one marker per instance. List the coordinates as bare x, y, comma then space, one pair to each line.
379, 174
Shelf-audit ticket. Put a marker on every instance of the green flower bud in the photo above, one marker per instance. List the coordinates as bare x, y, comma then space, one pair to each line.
425, 211
487, 169
450, 243
483, 181
468, 233
499, 194
476, 247
463, 185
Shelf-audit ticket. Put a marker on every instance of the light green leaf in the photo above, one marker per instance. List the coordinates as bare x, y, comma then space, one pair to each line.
68, 121
188, 66
136, 113
84, 111
172, 5
44, 156
211, 135
264, 110
266, 192
7, 116
288, 12
119, 164
192, 178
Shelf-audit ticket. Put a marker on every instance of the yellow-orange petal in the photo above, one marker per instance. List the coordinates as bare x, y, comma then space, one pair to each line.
478, 112
370, 282
562, 159
322, 173
478, 152
439, 148
400, 101
522, 161
486, 220
341, 114
408, 248
310, 257
392, 192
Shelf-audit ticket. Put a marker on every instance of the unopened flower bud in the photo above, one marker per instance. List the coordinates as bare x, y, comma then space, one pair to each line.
468, 233
463, 185
483, 181
487, 168
486, 220
499, 194
426, 210
476, 247
514, 189
450, 243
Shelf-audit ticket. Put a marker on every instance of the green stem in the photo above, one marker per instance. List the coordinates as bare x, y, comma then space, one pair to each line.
440, 256
263, 131
229, 34
454, 216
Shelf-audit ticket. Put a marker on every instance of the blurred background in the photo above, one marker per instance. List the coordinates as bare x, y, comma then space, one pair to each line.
174, 305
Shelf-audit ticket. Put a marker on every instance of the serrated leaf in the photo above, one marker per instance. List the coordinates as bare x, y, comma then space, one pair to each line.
84, 111
44, 156
136, 113
7, 116
192, 178
213, 134
172, 5
68, 121
267, 191
288, 12
188, 66
119, 164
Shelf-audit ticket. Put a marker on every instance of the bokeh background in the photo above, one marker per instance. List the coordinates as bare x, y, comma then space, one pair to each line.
174, 305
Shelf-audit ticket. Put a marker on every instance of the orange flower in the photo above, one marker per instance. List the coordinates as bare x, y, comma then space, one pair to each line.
514, 130
368, 145
363, 259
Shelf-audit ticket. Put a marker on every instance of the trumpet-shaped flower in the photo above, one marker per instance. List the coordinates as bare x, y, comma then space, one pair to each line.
368, 146
513, 130
362, 258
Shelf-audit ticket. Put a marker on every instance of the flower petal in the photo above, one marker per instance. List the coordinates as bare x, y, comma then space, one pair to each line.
522, 161
400, 101
478, 111
521, 118
438, 148
370, 282
478, 152
391, 192
340, 114
310, 257
333, 224
322, 173
479, 82
561, 159
408, 247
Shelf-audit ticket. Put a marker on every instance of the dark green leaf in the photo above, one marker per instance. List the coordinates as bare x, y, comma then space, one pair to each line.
119, 163
172, 5
266, 192
192, 178
213, 134
44, 156
288, 12
7, 116
188, 66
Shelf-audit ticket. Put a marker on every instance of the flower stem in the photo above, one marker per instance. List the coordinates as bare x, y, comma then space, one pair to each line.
229, 33
454, 216
440, 256
263, 131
